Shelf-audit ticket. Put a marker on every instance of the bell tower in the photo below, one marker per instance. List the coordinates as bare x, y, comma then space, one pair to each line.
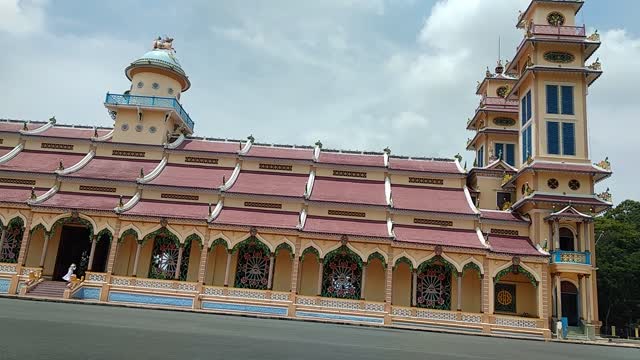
150, 111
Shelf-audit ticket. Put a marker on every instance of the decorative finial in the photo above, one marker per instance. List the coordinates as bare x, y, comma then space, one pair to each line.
224, 180
465, 166
488, 73
319, 144
52, 119
459, 157
24, 126
163, 44
121, 201
251, 138
60, 165
387, 150
33, 193
141, 172
210, 207
499, 67
95, 132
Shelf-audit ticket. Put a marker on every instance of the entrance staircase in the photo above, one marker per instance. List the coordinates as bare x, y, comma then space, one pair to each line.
48, 288
576, 333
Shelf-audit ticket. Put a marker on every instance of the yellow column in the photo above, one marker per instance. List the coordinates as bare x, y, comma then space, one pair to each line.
47, 236
459, 291
24, 245
556, 235
414, 286
272, 261
94, 240
176, 275
319, 291
589, 298
135, 261
228, 267
364, 280
3, 237
388, 289
113, 248
295, 268
558, 296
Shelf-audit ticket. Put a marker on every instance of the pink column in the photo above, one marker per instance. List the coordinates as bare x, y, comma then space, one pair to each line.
176, 275
226, 271
47, 236
135, 261
94, 240
319, 277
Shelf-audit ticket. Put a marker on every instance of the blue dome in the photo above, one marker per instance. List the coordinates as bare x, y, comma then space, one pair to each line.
162, 58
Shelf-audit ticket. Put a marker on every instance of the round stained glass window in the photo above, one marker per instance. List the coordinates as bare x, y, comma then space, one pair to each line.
504, 121
555, 18
155, 86
152, 129
170, 91
140, 84
574, 184
552, 183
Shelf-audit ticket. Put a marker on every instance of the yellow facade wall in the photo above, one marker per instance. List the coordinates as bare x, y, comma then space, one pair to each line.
282, 272
401, 295
375, 281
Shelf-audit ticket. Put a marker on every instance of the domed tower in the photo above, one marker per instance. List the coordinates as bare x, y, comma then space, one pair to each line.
150, 111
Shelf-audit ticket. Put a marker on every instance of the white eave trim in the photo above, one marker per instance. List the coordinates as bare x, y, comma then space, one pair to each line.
216, 211
541, 250
390, 228
71, 169
39, 130
44, 197
130, 204
387, 191
11, 154
232, 180
303, 219
176, 143
246, 148
153, 174
310, 182
459, 166
467, 195
316, 153
104, 137
481, 238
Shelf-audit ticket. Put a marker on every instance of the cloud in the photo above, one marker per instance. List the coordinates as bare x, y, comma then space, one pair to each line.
22, 16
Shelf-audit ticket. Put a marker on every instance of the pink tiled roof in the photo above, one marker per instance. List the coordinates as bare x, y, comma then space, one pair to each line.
329, 225
40, 161
207, 145
267, 183
115, 169
430, 199
351, 159
260, 218
434, 166
205, 177
438, 236
74, 133
514, 245
280, 152
574, 200
501, 215
4, 150
348, 191
76, 200
170, 209
17, 126
19, 194
588, 168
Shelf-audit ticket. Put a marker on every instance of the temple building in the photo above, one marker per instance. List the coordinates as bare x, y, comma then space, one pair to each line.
152, 214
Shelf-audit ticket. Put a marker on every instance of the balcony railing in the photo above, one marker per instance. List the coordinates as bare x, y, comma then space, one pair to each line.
571, 257
558, 30
151, 101
498, 102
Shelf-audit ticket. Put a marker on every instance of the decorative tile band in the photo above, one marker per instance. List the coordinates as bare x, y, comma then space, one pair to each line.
419, 180
97, 188
271, 310
200, 160
117, 296
347, 213
4, 285
128, 153
87, 293
327, 316
18, 181
504, 232
357, 174
1, 141
180, 197
438, 327
276, 167
56, 146
432, 222
262, 205
8, 268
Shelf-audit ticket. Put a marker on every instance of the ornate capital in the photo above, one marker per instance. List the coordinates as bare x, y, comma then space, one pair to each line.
253, 231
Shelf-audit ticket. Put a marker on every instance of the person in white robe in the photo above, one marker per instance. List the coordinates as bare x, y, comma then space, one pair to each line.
70, 272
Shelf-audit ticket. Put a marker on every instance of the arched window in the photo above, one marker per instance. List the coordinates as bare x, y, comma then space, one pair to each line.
164, 258
11, 244
434, 287
253, 265
567, 242
342, 274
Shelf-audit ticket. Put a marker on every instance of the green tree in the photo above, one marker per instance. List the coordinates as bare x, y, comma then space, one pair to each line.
618, 261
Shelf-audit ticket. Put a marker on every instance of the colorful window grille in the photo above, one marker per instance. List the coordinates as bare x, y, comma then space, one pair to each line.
342, 274
434, 288
253, 266
505, 298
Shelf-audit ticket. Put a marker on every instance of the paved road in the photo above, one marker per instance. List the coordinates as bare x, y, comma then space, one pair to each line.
43, 330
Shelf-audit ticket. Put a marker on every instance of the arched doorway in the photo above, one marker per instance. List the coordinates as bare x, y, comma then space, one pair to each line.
101, 254
570, 302
567, 240
74, 246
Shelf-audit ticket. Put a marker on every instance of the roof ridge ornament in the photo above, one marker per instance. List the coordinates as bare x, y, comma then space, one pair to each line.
163, 44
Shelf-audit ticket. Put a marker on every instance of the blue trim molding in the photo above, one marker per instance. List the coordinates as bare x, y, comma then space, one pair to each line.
118, 296
327, 316
87, 293
271, 310
4, 285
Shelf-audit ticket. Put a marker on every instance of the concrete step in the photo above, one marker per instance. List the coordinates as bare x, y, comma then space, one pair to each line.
54, 289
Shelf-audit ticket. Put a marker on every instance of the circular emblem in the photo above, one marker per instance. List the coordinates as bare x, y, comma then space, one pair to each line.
155, 86
124, 127
504, 121
140, 84
502, 91
504, 298
559, 57
152, 129
139, 128
552, 183
555, 18
574, 184
170, 91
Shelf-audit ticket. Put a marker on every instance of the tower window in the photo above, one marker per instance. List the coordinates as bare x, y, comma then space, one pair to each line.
525, 111
567, 135
506, 152
140, 84
480, 160
502, 199
574, 185
527, 146
560, 100
155, 86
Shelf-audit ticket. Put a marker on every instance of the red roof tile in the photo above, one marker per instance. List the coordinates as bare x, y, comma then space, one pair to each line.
4, 150
267, 183
18, 194
573, 200
170, 209
433, 166
351, 159
430, 199
204, 177
438, 236
280, 153
76, 200
348, 191
513, 245
587, 168
501, 216
115, 169
260, 218
11, 126
73, 133
211, 146
329, 225
40, 161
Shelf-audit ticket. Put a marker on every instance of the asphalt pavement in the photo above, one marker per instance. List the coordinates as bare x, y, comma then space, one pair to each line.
48, 330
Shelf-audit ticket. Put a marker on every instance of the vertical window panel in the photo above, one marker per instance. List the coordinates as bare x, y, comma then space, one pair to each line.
552, 99
511, 154
568, 139
567, 100
553, 137
529, 113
